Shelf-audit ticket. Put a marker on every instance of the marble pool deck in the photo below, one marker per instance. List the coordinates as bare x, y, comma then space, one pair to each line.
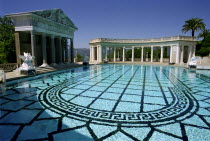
41, 70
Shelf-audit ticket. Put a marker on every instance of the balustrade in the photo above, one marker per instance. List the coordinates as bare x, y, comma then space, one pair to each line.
8, 67
109, 40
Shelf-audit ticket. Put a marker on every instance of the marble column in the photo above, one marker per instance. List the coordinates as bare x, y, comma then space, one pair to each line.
142, 54
93, 53
66, 51
60, 50
100, 53
151, 53
90, 53
17, 45
177, 54
193, 51
161, 54
182, 54
106, 54
171, 54
72, 50
44, 51
190, 53
123, 54
114, 54
132, 53
33, 47
53, 49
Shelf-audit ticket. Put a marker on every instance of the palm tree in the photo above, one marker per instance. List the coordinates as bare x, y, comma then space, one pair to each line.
193, 24
204, 33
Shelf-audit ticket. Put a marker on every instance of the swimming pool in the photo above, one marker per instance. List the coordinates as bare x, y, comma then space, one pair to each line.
109, 102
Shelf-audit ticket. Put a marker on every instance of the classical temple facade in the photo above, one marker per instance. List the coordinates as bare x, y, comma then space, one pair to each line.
179, 49
47, 34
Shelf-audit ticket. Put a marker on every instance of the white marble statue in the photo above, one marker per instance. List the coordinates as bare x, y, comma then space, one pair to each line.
27, 64
2, 77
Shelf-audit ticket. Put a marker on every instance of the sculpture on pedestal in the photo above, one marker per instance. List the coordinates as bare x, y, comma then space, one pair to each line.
27, 68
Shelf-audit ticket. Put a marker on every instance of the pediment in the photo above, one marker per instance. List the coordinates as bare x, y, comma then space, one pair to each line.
56, 15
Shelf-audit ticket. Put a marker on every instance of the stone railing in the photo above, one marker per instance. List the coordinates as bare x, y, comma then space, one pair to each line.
164, 39
8, 67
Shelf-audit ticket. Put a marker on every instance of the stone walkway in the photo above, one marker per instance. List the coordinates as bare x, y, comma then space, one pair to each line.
14, 74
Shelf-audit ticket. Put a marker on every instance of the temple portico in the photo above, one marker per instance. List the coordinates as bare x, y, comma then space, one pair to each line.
179, 49
48, 35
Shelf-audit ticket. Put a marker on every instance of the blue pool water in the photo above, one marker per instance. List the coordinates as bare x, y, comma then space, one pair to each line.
108, 102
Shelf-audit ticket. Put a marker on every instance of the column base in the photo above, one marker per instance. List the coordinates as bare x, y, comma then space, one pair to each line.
61, 63
181, 64
171, 63
53, 64
44, 65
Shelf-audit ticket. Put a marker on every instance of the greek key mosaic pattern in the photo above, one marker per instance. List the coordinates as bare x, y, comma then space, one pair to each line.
108, 102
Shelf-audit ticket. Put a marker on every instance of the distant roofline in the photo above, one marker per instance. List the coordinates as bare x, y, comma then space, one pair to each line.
30, 12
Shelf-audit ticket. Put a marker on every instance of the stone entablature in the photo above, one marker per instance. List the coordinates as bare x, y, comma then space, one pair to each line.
150, 40
38, 22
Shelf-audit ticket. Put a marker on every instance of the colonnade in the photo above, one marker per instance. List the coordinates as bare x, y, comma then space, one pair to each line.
98, 53
62, 52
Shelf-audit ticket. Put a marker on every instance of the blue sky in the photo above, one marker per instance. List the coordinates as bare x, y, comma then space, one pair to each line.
125, 19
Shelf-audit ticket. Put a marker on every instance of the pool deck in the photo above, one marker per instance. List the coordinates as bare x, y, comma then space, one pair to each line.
41, 70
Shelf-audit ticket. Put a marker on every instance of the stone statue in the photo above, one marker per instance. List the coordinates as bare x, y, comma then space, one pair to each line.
27, 67
2, 77
27, 61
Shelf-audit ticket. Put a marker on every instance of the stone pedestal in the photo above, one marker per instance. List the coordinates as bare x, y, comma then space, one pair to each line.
28, 72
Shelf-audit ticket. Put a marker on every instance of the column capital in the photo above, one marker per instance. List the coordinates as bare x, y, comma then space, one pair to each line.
33, 32
43, 33
52, 36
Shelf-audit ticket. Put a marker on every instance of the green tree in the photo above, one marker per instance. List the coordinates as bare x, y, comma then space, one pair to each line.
7, 41
193, 25
203, 47
79, 58
204, 33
